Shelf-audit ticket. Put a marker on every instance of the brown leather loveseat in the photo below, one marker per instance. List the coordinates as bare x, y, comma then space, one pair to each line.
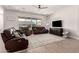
13, 43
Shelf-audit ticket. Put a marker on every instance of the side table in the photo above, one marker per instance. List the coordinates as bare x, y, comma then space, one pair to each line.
66, 34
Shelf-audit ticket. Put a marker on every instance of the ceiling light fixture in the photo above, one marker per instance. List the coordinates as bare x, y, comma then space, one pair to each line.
41, 7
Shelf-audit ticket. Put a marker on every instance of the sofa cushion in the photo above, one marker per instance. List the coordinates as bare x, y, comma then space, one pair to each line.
16, 34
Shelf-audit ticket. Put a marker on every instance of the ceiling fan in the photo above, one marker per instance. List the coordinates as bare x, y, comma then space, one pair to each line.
41, 7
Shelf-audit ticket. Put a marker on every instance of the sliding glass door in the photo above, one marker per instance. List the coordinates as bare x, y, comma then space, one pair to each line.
25, 22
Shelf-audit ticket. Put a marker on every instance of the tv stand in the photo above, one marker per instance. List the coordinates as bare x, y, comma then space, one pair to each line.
56, 31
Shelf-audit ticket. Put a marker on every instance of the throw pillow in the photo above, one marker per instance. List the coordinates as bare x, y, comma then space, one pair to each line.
16, 34
19, 32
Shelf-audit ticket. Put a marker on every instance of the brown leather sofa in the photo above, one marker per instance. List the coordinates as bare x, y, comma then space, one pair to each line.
39, 30
35, 30
13, 43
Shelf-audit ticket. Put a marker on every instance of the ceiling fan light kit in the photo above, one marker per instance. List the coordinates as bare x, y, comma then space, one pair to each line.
41, 7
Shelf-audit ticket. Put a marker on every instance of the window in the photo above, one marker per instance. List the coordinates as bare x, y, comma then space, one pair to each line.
34, 22
24, 22
38, 22
21, 19
28, 22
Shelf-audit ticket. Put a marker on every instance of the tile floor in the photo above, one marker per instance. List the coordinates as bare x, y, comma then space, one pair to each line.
39, 40
46, 43
63, 46
2, 47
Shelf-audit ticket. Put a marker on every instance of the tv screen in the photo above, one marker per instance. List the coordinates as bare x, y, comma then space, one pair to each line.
57, 23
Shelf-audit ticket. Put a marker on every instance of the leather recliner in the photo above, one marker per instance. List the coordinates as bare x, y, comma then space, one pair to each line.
12, 43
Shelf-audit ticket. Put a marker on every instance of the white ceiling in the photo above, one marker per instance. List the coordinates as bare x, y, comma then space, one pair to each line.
31, 8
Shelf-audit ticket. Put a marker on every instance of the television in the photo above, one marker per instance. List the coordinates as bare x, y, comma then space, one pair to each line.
57, 23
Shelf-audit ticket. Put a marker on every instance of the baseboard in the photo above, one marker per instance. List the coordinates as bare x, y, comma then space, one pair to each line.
74, 37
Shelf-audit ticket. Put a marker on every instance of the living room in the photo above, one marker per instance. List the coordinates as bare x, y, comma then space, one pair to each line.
55, 22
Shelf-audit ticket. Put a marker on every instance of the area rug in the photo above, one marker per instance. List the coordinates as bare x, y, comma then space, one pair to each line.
39, 40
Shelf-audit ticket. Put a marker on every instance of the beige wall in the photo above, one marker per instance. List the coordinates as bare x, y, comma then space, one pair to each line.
1, 19
70, 18
2, 47
11, 18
